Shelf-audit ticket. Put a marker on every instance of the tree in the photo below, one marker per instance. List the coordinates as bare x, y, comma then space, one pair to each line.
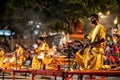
52, 12
68, 11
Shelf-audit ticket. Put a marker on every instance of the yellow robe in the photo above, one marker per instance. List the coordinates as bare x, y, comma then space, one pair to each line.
36, 63
93, 58
2, 57
42, 48
20, 54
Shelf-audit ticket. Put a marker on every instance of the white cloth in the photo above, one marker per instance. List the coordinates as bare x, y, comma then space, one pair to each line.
13, 59
41, 55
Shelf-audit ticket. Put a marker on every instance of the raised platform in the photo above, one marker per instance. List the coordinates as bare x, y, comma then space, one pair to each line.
64, 74
91, 73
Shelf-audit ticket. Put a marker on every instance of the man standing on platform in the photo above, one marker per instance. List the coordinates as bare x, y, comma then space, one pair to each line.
92, 57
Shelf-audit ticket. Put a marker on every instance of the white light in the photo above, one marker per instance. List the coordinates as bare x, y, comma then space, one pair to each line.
100, 14
40, 23
30, 22
38, 26
36, 32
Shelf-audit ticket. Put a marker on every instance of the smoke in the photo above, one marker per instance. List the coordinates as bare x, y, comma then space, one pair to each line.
22, 19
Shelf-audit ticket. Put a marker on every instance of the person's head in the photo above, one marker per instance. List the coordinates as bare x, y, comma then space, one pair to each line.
108, 37
94, 18
41, 40
17, 45
1, 48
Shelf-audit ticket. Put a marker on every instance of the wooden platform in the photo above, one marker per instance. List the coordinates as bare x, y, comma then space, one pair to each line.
62, 73
91, 73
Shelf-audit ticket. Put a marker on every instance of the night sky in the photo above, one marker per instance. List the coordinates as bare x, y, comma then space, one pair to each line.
2, 5
2, 10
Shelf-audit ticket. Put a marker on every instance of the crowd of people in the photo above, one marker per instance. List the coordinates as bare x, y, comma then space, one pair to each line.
34, 56
100, 51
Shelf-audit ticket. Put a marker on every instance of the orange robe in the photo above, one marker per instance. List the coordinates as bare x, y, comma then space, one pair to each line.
2, 57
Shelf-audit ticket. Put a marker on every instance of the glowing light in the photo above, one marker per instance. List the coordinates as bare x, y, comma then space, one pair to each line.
101, 15
70, 41
36, 32
38, 26
40, 23
116, 21
108, 13
30, 22
25, 37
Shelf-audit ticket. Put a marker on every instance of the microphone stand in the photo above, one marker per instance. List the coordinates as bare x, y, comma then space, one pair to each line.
69, 56
16, 59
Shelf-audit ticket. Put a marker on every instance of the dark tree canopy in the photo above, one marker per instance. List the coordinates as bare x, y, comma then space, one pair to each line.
55, 14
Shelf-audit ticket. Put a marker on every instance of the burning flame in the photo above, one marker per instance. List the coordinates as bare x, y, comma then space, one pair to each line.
108, 13
101, 15
116, 21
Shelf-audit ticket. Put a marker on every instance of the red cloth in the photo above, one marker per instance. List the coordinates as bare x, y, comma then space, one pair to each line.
113, 59
78, 26
116, 49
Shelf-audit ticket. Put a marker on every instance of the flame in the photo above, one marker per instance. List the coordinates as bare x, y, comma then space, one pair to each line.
116, 20
108, 13
101, 15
